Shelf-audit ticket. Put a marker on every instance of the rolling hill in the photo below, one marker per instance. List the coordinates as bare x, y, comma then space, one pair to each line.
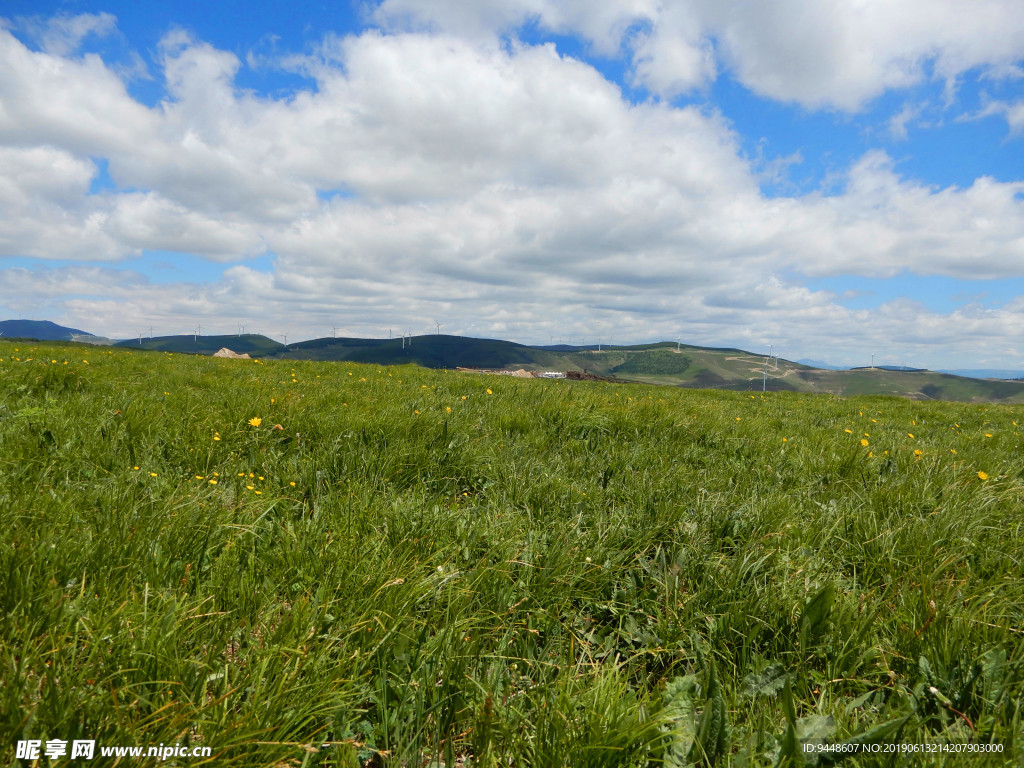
665, 363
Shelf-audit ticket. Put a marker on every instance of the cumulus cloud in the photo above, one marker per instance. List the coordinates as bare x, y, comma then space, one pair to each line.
503, 189
827, 53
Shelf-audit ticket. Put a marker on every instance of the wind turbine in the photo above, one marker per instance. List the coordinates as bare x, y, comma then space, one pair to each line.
285, 334
241, 329
196, 332
334, 331
438, 332
151, 332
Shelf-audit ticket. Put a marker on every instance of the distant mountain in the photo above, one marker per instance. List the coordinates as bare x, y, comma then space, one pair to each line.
985, 373
666, 363
820, 365
43, 330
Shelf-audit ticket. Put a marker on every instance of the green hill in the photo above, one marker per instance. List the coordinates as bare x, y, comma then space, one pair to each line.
250, 344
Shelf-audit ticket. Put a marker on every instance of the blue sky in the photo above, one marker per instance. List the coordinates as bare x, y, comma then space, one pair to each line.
837, 179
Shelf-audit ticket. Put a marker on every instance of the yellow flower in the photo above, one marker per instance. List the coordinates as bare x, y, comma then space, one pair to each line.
416, 412
785, 440
863, 442
213, 482
292, 483
848, 431
910, 434
988, 435
448, 409
136, 469
952, 450
489, 392
249, 487
152, 474
983, 476
200, 477
917, 452
737, 418
255, 421
463, 397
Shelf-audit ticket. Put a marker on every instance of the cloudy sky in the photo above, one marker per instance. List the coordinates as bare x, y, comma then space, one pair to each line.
838, 178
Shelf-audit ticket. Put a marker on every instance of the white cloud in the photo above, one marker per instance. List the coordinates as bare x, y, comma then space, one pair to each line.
819, 53
62, 35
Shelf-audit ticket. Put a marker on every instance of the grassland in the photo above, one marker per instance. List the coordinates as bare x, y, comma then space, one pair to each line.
424, 567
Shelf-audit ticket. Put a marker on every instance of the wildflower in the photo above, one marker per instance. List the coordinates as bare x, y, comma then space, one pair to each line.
952, 450
255, 421
292, 483
988, 435
258, 493
212, 481
200, 477
983, 476
448, 409
216, 436
152, 474
917, 452
785, 440
463, 397
863, 442
737, 418
416, 412
249, 487
489, 392
848, 431
136, 469
910, 434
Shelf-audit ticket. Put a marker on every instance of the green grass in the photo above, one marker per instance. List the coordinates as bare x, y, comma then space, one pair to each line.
550, 573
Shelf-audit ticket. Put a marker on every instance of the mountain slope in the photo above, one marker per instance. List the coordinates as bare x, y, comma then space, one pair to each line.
44, 330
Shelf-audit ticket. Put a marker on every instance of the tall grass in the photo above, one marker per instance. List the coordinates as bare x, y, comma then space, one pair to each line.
396, 566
